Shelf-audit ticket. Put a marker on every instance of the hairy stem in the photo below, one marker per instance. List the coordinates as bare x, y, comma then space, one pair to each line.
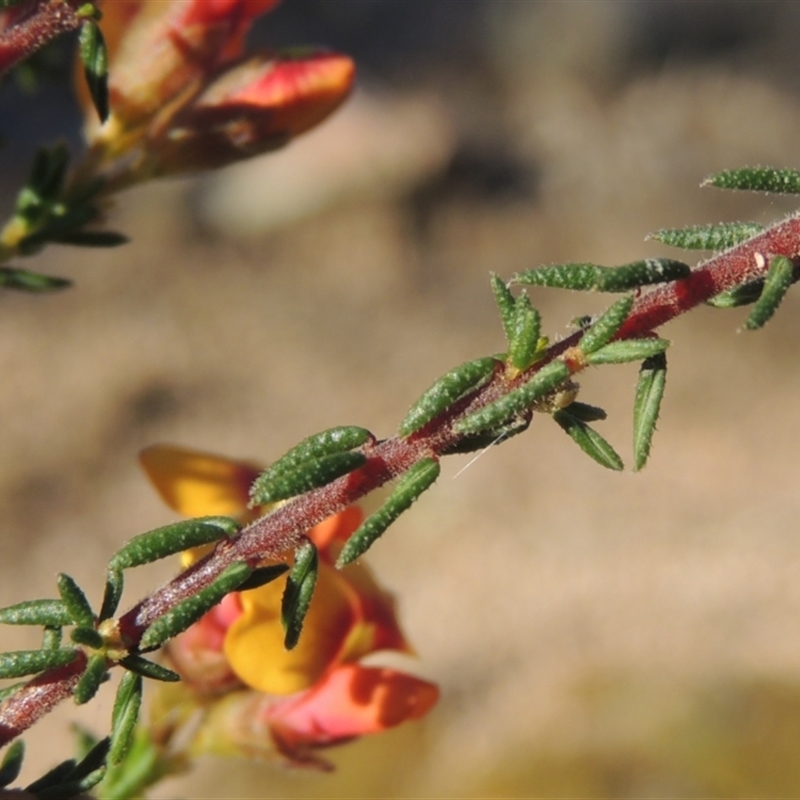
274, 534
32, 25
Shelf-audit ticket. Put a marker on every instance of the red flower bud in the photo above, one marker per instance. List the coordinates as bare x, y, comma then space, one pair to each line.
256, 106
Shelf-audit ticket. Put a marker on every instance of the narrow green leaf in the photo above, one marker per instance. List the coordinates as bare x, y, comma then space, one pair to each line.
170, 539
149, 669
445, 391
328, 442
12, 762
480, 441
51, 639
779, 278
94, 55
305, 477
124, 716
708, 237
84, 775
27, 281
419, 478
53, 777
517, 401
298, 592
75, 601
94, 760
84, 740
593, 277
262, 576
589, 440
524, 343
627, 350
585, 413
757, 179
742, 295
88, 637
505, 303
50, 613
28, 662
7, 691
94, 675
647, 405
90, 238
112, 594
610, 321
190, 610
46, 179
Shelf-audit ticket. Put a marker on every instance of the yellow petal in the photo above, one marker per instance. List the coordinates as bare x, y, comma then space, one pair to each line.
198, 484
254, 644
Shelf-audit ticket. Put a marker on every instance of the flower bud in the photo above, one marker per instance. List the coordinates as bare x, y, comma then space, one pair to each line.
160, 50
256, 106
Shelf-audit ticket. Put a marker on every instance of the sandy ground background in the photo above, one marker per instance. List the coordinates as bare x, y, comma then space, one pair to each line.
594, 634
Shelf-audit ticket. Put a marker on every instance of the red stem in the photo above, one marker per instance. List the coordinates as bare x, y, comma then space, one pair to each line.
274, 534
33, 24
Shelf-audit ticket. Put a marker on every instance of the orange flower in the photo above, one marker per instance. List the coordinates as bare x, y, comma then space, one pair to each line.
160, 49
315, 695
185, 97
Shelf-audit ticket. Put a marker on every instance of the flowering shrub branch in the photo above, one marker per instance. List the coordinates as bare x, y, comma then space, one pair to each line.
270, 667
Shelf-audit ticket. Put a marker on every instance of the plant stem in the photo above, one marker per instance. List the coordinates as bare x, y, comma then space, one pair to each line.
274, 534
32, 25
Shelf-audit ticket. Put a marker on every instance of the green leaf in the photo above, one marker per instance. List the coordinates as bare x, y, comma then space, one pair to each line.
448, 389
170, 539
523, 347
45, 182
262, 576
149, 669
328, 442
88, 637
50, 613
757, 179
495, 436
604, 329
505, 303
585, 413
7, 691
627, 350
779, 278
28, 662
742, 295
185, 613
90, 238
53, 777
419, 478
51, 640
94, 675
517, 401
708, 237
94, 55
112, 594
81, 778
298, 592
305, 477
647, 405
12, 762
27, 281
593, 277
589, 440
124, 716
75, 601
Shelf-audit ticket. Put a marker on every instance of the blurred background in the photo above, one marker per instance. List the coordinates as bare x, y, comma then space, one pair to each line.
593, 634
